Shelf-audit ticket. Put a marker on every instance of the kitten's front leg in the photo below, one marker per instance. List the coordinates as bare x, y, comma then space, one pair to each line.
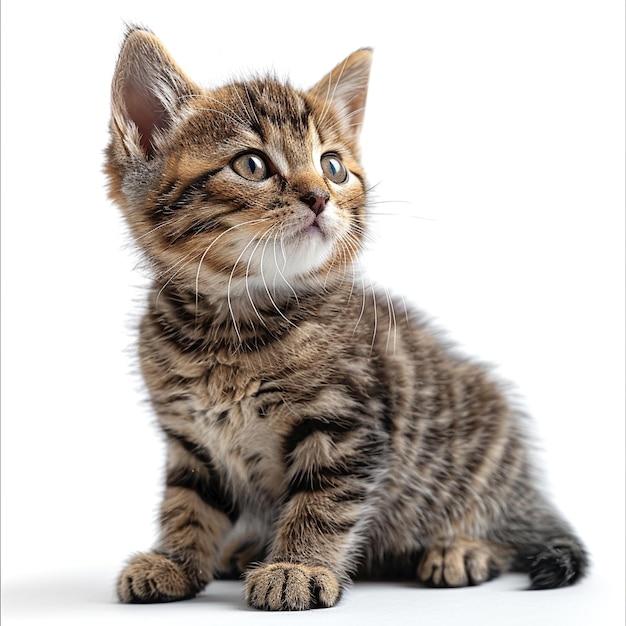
332, 470
307, 565
194, 519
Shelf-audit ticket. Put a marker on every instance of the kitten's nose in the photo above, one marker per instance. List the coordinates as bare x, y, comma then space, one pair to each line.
316, 200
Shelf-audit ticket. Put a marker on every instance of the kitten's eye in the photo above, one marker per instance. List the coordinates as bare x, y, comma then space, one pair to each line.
251, 166
334, 169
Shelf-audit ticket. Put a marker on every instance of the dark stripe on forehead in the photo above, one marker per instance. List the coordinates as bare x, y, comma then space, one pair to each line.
278, 105
254, 116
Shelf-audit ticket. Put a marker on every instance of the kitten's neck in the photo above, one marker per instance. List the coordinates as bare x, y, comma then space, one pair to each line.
241, 322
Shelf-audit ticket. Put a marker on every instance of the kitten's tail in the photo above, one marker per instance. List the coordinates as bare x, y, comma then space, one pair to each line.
547, 548
559, 562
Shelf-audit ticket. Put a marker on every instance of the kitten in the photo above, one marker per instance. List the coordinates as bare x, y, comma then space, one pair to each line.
305, 445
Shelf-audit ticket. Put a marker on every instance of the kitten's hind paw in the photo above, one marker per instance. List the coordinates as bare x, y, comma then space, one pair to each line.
291, 587
554, 567
153, 578
462, 562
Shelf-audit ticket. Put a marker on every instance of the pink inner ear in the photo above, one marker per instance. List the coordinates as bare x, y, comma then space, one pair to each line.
147, 112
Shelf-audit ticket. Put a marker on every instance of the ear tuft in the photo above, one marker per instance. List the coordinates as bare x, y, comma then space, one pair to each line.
147, 91
346, 87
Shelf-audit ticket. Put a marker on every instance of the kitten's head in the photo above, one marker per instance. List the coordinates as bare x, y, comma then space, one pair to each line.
253, 187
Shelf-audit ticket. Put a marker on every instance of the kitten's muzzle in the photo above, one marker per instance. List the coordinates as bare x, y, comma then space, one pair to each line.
316, 200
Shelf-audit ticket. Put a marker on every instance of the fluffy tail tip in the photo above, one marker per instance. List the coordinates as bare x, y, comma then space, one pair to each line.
557, 566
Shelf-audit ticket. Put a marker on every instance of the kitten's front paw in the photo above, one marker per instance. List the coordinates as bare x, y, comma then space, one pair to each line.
291, 587
153, 578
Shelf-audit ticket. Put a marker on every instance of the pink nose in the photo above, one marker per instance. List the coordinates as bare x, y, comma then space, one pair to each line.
316, 200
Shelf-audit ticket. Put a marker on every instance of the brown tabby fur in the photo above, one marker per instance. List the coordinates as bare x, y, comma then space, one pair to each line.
314, 426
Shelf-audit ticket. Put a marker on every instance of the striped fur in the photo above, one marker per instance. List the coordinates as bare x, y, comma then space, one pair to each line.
316, 429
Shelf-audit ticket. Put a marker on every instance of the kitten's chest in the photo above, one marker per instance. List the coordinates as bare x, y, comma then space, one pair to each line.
247, 449
238, 405
240, 417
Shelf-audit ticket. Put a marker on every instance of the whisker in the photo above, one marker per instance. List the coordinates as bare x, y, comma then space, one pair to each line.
267, 291
375, 310
363, 292
248, 271
181, 263
166, 223
392, 322
228, 293
280, 272
197, 283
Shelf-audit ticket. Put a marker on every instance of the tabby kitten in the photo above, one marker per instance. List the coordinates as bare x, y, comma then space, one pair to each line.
314, 433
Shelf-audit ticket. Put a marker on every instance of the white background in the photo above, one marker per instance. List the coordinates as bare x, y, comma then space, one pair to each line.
495, 134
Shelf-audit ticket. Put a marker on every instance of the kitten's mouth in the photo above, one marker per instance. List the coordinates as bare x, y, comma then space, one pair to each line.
314, 226
307, 245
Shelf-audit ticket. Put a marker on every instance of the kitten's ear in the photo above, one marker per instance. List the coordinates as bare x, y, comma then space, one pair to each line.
148, 88
346, 87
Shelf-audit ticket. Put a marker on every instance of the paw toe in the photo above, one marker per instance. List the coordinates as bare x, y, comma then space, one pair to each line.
460, 563
443, 567
291, 587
